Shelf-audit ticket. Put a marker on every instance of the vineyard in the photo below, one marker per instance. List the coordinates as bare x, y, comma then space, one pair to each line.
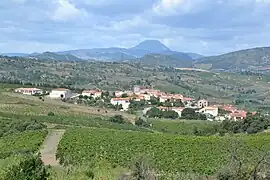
21, 142
183, 127
204, 155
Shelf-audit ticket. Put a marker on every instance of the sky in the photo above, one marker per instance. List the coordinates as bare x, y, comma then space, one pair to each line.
207, 27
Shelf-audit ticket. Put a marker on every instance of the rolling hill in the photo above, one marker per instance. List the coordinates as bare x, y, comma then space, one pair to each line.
254, 59
119, 54
54, 56
164, 60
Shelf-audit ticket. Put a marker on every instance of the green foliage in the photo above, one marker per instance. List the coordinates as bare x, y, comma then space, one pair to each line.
204, 155
29, 141
51, 114
142, 122
251, 124
185, 127
244, 59
117, 119
189, 113
137, 105
156, 113
8, 127
30, 168
76, 120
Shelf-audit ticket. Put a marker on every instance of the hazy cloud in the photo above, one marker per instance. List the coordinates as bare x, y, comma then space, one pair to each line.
202, 26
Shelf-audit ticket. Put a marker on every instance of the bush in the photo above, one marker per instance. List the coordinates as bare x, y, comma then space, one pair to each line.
142, 122
117, 119
51, 114
30, 168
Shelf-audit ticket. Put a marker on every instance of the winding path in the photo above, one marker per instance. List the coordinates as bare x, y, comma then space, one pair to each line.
49, 147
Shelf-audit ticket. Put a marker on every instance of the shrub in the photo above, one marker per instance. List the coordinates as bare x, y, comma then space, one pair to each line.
30, 168
51, 114
117, 119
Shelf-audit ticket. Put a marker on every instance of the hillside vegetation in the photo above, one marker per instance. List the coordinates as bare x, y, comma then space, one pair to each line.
250, 59
250, 88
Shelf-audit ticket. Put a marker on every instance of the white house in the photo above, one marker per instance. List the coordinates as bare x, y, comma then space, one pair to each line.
202, 103
121, 101
28, 91
93, 93
60, 93
209, 110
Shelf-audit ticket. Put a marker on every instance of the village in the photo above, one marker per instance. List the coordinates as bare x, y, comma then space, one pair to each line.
164, 101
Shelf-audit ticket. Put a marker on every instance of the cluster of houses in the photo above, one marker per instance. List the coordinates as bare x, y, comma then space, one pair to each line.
124, 99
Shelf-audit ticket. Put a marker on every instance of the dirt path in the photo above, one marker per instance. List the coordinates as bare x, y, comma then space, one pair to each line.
49, 147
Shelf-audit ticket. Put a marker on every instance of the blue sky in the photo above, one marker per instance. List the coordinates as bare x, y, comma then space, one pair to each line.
208, 27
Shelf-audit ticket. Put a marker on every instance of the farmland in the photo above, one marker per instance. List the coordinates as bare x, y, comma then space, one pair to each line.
204, 155
21, 142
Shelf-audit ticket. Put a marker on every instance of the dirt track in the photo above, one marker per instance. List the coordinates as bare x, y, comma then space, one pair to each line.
49, 147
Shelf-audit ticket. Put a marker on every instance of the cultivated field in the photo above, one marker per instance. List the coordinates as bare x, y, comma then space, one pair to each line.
204, 155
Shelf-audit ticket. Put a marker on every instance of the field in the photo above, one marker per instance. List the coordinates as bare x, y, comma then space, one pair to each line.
182, 127
204, 155
21, 142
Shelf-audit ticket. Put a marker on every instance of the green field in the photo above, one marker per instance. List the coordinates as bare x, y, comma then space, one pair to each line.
204, 155
21, 142
183, 127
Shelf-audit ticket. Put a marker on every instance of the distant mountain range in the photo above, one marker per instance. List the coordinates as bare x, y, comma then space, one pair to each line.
153, 52
255, 59
112, 54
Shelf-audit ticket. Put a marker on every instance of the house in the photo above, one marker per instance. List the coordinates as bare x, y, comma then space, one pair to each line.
202, 103
92, 93
229, 108
28, 91
213, 111
238, 115
60, 93
121, 101
146, 97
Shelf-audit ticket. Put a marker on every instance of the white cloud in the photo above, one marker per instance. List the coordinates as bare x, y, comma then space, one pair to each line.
167, 7
66, 11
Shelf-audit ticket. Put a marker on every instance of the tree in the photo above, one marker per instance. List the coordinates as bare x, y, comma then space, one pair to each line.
117, 119
31, 167
189, 113
178, 103
142, 168
142, 122
154, 112
124, 95
170, 114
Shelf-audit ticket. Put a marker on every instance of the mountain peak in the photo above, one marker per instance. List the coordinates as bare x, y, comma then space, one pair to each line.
152, 46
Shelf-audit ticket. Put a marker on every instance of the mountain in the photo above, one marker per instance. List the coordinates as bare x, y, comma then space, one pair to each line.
115, 53
153, 46
100, 54
54, 56
250, 59
194, 56
164, 60
14, 54
118, 54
